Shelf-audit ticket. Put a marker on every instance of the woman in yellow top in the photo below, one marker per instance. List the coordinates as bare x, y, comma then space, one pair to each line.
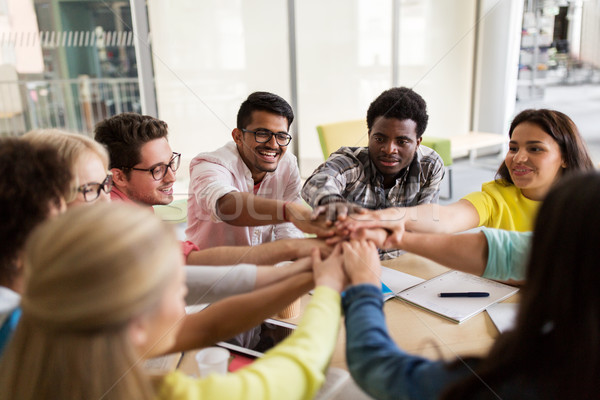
544, 146
97, 302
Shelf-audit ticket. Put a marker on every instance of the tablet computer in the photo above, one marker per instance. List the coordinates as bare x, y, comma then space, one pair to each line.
248, 346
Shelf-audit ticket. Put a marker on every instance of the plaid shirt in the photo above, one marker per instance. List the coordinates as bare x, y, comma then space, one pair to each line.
350, 174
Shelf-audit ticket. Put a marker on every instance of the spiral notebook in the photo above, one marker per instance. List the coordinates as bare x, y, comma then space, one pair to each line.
426, 295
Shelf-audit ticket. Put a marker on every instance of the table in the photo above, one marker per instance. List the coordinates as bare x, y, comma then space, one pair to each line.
414, 330
423, 333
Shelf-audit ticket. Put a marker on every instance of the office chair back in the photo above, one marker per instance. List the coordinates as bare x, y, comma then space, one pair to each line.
346, 133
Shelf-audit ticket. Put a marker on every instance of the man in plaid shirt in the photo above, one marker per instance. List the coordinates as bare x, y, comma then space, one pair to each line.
393, 171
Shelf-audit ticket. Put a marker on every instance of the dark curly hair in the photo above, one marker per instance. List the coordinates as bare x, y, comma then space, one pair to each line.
124, 135
564, 132
33, 178
400, 103
263, 101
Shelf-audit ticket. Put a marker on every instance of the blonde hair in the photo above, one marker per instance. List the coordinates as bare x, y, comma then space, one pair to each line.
71, 147
84, 283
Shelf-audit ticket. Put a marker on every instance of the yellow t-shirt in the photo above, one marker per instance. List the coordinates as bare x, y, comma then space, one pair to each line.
504, 207
292, 370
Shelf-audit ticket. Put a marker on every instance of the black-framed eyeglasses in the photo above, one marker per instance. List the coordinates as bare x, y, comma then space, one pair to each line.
265, 135
91, 191
160, 171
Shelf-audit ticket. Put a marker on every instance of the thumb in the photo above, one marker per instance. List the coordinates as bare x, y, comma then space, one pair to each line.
316, 212
393, 239
316, 255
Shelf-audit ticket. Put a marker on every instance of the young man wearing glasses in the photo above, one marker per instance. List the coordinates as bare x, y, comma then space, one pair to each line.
143, 167
141, 160
247, 192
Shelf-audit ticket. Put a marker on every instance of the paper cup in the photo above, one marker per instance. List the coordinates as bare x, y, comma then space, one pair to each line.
212, 360
292, 310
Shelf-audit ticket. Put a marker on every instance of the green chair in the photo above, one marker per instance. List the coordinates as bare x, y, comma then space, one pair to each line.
443, 147
345, 133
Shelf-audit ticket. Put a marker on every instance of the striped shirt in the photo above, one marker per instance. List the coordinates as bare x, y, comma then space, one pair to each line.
350, 174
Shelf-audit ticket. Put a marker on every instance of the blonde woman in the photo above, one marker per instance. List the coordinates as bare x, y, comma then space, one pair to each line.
86, 158
88, 162
94, 307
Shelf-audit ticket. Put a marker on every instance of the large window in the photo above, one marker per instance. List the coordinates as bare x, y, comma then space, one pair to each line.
65, 64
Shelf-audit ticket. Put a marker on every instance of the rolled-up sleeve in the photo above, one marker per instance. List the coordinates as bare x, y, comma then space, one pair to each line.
210, 182
330, 178
508, 253
291, 193
209, 284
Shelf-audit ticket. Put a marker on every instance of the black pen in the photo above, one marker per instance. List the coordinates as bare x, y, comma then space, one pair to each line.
465, 294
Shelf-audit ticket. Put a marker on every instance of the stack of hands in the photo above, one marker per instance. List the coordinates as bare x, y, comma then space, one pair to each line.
351, 262
342, 221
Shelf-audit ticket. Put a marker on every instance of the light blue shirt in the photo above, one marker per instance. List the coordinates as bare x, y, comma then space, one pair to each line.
508, 254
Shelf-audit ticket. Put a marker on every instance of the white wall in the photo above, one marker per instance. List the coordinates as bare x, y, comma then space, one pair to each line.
443, 38
344, 52
344, 62
208, 56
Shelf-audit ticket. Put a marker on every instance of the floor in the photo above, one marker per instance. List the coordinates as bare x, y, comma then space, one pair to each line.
581, 103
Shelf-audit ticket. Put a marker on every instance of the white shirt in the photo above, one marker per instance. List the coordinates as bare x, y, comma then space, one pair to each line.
207, 284
213, 175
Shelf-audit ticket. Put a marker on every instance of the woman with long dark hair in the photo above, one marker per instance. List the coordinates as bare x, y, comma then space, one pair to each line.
554, 349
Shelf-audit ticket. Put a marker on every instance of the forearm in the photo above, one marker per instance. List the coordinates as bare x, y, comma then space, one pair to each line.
245, 209
426, 218
268, 275
377, 365
464, 252
236, 314
208, 284
263, 254
292, 370
435, 218
324, 182
224, 255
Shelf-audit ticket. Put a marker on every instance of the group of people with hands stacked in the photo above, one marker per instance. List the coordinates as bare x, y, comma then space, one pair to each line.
89, 287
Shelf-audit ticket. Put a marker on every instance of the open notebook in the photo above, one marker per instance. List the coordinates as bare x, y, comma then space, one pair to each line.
425, 294
393, 282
